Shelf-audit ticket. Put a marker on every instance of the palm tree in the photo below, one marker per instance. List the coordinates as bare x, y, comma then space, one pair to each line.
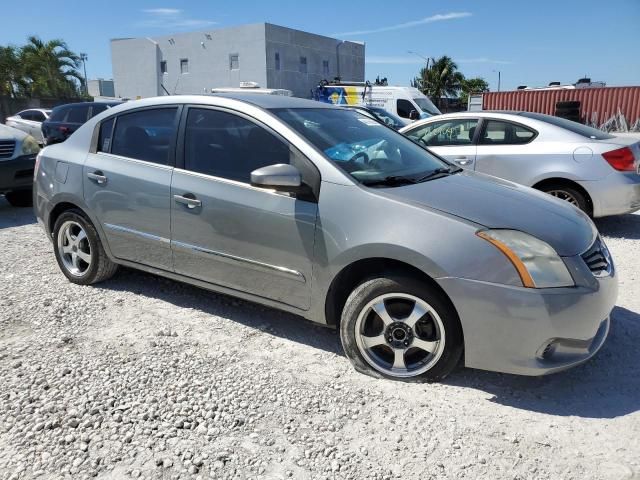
50, 68
441, 79
472, 85
10, 71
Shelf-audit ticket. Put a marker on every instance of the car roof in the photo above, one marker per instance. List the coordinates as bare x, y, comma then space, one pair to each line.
269, 102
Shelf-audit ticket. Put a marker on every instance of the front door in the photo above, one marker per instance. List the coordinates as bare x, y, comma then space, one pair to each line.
226, 232
452, 139
127, 184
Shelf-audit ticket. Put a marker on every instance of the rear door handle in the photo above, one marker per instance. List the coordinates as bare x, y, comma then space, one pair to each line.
463, 161
97, 176
190, 201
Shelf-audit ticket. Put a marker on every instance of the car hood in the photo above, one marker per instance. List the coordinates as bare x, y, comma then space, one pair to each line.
10, 133
495, 203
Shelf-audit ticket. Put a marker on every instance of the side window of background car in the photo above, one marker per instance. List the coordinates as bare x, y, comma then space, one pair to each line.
225, 145
404, 108
505, 133
35, 116
59, 114
145, 135
28, 115
446, 133
104, 138
77, 114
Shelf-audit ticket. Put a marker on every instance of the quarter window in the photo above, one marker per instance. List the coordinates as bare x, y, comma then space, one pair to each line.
505, 133
303, 64
106, 132
145, 135
453, 132
184, 65
234, 62
225, 145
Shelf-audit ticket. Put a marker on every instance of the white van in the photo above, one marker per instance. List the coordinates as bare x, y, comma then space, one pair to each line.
399, 100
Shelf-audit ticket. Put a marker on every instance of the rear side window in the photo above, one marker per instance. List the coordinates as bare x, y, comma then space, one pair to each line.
106, 132
77, 114
497, 132
574, 127
228, 146
58, 114
145, 135
404, 108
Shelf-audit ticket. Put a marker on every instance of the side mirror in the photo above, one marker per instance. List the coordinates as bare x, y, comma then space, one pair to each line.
413, 115
281, 177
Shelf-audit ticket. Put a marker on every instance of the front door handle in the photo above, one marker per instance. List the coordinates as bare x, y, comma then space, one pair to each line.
463, 161
98, 176
190, 201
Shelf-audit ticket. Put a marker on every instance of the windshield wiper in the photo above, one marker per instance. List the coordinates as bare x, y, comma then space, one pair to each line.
392, 180
437, 173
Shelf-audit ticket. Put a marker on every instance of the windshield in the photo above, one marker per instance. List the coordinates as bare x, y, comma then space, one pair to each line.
574, 127
361, 146
425, 105
387, 117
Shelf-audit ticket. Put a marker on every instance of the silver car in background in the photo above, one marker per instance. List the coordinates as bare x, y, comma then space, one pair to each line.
595, 171
327, 213
30, 121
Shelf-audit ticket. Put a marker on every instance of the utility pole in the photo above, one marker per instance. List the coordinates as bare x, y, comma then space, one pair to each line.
426, 59
84, 57
498, 78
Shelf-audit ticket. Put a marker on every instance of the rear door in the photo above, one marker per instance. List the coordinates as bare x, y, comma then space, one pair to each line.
503, 150
127, 184
453, 139
227, 232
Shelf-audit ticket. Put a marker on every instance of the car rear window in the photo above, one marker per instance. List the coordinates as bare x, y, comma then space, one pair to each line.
58, 113
78, 114
574, 127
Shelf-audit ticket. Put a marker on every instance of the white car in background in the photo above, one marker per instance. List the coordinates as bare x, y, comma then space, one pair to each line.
30, 121
595, 171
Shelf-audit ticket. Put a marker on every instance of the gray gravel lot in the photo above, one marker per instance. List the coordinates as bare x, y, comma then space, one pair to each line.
142, 377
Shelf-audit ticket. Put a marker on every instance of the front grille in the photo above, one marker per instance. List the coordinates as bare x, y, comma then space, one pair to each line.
598, 258
6, 148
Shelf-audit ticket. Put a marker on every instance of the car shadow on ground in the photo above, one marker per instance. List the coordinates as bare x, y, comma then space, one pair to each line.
14, 216
605, 387
620, 226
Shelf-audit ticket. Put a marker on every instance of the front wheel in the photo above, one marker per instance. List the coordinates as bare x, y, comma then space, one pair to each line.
568, 194
401, 328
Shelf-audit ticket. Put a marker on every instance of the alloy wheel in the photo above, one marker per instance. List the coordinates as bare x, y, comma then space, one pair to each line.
74, 248
400, 335
564, 195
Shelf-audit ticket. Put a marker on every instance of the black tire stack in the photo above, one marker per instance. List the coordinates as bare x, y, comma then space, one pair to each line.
569, 110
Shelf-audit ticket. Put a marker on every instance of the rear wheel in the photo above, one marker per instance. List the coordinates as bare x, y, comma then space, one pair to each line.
401, 328
568, 194
20, 198
78, 250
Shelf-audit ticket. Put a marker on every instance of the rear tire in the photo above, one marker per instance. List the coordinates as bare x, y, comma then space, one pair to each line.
20, 198
568, 194
79, 251
401, 328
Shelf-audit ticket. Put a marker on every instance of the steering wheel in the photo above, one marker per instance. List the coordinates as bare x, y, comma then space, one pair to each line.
362, 155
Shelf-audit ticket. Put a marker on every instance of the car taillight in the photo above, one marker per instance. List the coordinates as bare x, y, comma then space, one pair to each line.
620, 159
37, 165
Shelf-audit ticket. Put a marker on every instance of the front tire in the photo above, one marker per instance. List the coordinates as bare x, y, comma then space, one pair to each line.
401, 328
568, 194
79, 251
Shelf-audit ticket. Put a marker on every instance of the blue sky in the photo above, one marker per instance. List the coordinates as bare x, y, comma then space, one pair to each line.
529, 42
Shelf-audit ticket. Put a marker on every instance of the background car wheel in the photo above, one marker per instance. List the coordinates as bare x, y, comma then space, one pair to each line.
20, 198
401, 328
78, 250
568, 194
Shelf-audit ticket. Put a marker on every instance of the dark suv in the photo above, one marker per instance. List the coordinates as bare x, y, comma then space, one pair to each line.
66, 119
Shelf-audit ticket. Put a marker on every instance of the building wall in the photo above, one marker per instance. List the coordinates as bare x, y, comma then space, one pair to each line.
293, 44
136, 67
137, 70
101, 88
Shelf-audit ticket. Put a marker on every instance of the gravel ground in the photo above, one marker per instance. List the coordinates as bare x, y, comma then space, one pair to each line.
142, 377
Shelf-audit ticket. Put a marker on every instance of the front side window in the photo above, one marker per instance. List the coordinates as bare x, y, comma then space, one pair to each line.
145, 135
225, 145
303, 64
78, 114
454, 132
497, 132
364, 148
234, 61
404, 108
184, 65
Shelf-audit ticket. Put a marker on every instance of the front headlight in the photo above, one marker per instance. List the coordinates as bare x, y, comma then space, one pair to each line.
537, 263
30, 146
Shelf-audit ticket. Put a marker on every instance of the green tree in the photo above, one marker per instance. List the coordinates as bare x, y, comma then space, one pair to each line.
10, 71
50, 68
441, 79
472, 85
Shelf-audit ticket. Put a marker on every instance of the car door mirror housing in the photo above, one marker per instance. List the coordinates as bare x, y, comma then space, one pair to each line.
281, 177
413, 115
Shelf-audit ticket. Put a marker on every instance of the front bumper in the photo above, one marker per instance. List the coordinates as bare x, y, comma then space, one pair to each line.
616, 194
17, 174
528, 331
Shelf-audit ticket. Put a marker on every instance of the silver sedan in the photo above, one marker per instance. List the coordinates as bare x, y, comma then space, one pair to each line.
595, 171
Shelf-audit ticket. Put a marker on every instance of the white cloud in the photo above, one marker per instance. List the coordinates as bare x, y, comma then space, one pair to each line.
167, 18
434, 18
